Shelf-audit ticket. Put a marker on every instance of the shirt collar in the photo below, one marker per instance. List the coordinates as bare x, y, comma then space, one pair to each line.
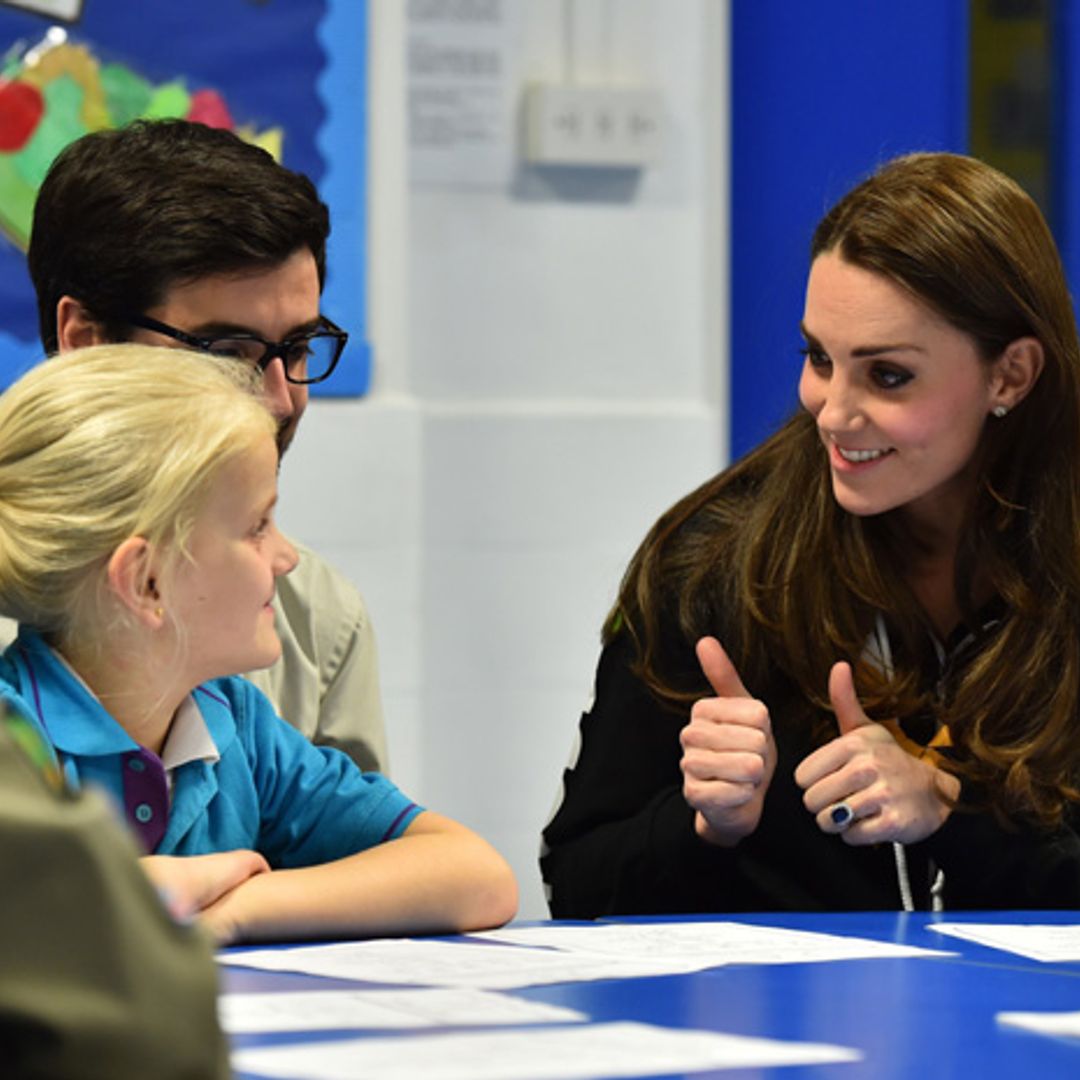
75, 721
78, 724
189, 738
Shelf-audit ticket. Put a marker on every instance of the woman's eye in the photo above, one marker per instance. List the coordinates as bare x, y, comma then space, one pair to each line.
891, 378
816, 358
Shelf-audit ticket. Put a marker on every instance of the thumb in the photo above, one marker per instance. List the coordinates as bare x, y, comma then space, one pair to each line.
719, 669
845, 703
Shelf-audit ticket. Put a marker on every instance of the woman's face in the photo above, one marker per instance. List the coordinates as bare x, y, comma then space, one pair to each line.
222, 596
899, 395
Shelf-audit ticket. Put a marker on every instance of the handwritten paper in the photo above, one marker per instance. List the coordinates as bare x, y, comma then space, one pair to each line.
1048, 943
611, 1050
327, 1010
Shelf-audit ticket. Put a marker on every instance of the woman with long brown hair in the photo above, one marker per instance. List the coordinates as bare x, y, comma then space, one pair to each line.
845, 673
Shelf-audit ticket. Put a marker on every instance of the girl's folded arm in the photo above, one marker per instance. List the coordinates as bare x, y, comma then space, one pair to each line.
438, 877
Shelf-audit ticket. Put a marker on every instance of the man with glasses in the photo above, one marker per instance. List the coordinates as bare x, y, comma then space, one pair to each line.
174, 233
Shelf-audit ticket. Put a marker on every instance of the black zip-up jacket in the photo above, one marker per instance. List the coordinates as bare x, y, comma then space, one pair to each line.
622, 841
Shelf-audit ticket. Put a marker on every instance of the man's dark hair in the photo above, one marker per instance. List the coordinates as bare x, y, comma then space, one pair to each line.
125, 215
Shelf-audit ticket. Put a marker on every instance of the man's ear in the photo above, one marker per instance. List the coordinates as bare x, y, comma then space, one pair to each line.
1015, 372
131, 577
75, 326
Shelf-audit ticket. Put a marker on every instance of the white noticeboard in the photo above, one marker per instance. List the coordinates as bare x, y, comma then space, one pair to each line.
461, 65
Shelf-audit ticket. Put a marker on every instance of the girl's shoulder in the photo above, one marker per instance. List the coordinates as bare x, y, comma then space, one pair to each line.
234, 708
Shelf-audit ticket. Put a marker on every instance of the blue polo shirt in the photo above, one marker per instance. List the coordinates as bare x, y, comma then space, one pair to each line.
270, 789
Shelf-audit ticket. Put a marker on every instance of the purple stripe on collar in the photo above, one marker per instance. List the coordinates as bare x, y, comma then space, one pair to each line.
210, 694
36, 690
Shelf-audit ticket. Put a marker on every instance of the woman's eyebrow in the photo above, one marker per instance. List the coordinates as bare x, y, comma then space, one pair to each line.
864, 351
888, 347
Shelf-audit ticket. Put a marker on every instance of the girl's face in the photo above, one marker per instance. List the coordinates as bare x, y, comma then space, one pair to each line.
899, 395
222, 596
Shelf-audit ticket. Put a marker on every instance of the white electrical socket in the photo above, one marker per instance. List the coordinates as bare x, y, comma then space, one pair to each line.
613, 126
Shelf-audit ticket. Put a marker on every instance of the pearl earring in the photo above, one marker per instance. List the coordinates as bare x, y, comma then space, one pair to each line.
1001, 410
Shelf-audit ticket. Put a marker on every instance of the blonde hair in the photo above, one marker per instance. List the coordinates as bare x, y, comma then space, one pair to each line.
101, 444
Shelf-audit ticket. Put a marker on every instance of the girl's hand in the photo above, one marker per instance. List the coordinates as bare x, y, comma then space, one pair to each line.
189, 884
892, 795
728, 753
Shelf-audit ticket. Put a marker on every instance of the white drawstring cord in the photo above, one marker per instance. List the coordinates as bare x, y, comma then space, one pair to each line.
881, 650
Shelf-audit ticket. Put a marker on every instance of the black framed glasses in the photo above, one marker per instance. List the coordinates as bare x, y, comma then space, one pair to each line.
307, 358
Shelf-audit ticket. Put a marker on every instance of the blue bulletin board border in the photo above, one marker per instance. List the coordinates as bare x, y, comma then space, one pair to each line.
343, 141
340, 139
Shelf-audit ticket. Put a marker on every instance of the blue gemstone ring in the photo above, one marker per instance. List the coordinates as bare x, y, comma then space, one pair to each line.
842, 815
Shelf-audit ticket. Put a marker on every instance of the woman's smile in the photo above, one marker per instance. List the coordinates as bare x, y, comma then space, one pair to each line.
901, 397
849, 458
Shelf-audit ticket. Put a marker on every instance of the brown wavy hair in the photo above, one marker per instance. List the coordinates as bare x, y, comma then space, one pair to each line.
764, 555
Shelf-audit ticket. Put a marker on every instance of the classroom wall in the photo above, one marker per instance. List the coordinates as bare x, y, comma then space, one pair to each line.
549, 376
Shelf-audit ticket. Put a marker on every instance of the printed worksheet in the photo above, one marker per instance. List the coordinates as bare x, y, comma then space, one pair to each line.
1044, 942
1058, 1024
327, 1010
619, 1049
473, 964
532, 956
711, 943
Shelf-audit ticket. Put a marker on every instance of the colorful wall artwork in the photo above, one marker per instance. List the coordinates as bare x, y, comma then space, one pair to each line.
287, 76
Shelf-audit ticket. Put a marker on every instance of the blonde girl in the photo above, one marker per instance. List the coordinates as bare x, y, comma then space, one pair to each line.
139, 554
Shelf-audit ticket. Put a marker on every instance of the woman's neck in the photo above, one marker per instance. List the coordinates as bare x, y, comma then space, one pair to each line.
931, 576
933, 581
933, 534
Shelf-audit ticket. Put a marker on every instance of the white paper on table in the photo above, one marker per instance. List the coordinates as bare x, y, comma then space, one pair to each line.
424, 962
1047, 943
618, 1049
325, 1010
712, 943
1043, 1023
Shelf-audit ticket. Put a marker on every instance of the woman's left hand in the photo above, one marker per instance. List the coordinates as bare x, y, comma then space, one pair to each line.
891, 795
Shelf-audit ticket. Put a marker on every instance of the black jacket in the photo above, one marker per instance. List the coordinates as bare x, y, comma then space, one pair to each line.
622, 841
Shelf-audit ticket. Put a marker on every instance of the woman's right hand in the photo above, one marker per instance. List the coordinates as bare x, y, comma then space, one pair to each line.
729, 753
189, 884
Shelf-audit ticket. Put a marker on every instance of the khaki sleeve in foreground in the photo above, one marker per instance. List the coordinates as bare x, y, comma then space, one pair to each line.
97, 980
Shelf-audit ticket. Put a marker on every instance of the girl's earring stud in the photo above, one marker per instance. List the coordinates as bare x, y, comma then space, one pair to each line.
1001, 410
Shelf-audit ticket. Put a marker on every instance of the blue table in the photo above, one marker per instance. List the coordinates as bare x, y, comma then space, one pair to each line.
925, 1017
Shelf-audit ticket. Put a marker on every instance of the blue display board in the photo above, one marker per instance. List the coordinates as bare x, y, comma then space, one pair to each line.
290, 75
1066, 137
822, 93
